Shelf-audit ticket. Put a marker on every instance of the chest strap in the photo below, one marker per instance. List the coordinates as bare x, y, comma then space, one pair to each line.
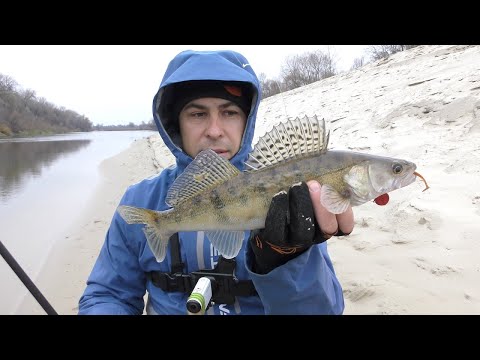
225, 285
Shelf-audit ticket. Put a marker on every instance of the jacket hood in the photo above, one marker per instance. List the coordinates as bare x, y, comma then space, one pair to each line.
191, 65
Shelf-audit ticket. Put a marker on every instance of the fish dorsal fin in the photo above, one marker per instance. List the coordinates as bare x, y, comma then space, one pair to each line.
288, 140
207, 170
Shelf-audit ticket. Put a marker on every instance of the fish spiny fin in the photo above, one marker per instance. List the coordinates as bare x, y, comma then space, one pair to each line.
228, 243
157, 239
288, 140
207, 170
332, 200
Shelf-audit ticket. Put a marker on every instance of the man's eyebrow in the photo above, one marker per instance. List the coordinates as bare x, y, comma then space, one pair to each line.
193, 104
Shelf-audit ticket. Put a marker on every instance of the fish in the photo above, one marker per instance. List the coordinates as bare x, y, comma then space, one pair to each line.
213, 196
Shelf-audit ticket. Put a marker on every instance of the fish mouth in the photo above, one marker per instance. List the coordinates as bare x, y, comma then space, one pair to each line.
398, 183
407, 180
410, 178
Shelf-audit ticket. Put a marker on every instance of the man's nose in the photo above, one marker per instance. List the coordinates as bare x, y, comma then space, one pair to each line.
215, 128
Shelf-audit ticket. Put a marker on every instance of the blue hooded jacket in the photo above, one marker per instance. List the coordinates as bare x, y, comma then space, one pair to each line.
117, 284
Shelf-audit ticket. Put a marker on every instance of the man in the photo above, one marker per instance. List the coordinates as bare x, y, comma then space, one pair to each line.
209, 100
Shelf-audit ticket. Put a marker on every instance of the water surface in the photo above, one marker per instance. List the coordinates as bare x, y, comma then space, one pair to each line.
45, 182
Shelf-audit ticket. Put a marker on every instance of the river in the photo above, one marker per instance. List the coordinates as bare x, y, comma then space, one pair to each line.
44, 184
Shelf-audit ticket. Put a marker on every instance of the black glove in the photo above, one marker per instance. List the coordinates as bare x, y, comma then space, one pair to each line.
290, 229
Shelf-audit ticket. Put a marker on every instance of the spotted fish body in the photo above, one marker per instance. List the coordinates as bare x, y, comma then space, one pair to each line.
214, 196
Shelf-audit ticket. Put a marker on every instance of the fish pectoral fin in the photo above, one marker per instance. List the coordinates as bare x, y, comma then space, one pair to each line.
157, 241
228, 243
333, 201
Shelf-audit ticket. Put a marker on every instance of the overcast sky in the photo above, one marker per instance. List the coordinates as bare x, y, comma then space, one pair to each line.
115, 84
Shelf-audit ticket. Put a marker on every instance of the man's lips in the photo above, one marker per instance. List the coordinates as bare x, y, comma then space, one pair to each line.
220, 151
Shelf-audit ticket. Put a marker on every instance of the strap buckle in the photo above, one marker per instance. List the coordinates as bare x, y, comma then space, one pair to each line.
225, 285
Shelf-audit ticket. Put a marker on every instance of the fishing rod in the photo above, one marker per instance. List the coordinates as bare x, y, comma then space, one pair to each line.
26, 280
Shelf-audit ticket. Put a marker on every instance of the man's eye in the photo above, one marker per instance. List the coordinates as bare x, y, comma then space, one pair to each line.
231, 112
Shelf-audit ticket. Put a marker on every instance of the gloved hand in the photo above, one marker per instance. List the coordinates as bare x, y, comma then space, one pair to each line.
290, 229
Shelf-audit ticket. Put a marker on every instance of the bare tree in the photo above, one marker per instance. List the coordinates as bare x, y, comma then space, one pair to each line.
7, 83
28, 96
300, 70
378, 52
358, 63
269, 87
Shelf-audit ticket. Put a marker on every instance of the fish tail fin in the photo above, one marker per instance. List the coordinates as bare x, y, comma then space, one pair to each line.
156, 234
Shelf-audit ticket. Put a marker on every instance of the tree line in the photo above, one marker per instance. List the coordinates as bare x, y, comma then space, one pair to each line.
130, 126
307, 68
23, 113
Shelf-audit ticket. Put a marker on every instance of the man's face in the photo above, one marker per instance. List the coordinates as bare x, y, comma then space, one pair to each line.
212, 123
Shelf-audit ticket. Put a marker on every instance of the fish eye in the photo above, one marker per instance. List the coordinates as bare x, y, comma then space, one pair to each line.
397, 168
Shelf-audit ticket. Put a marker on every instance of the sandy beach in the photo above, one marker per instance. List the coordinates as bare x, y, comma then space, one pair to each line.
420, 253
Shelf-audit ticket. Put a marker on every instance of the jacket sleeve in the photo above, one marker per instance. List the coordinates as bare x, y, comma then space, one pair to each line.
116, 285
306, 284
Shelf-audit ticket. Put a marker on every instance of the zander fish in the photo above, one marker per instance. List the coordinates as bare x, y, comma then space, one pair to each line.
214, 196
